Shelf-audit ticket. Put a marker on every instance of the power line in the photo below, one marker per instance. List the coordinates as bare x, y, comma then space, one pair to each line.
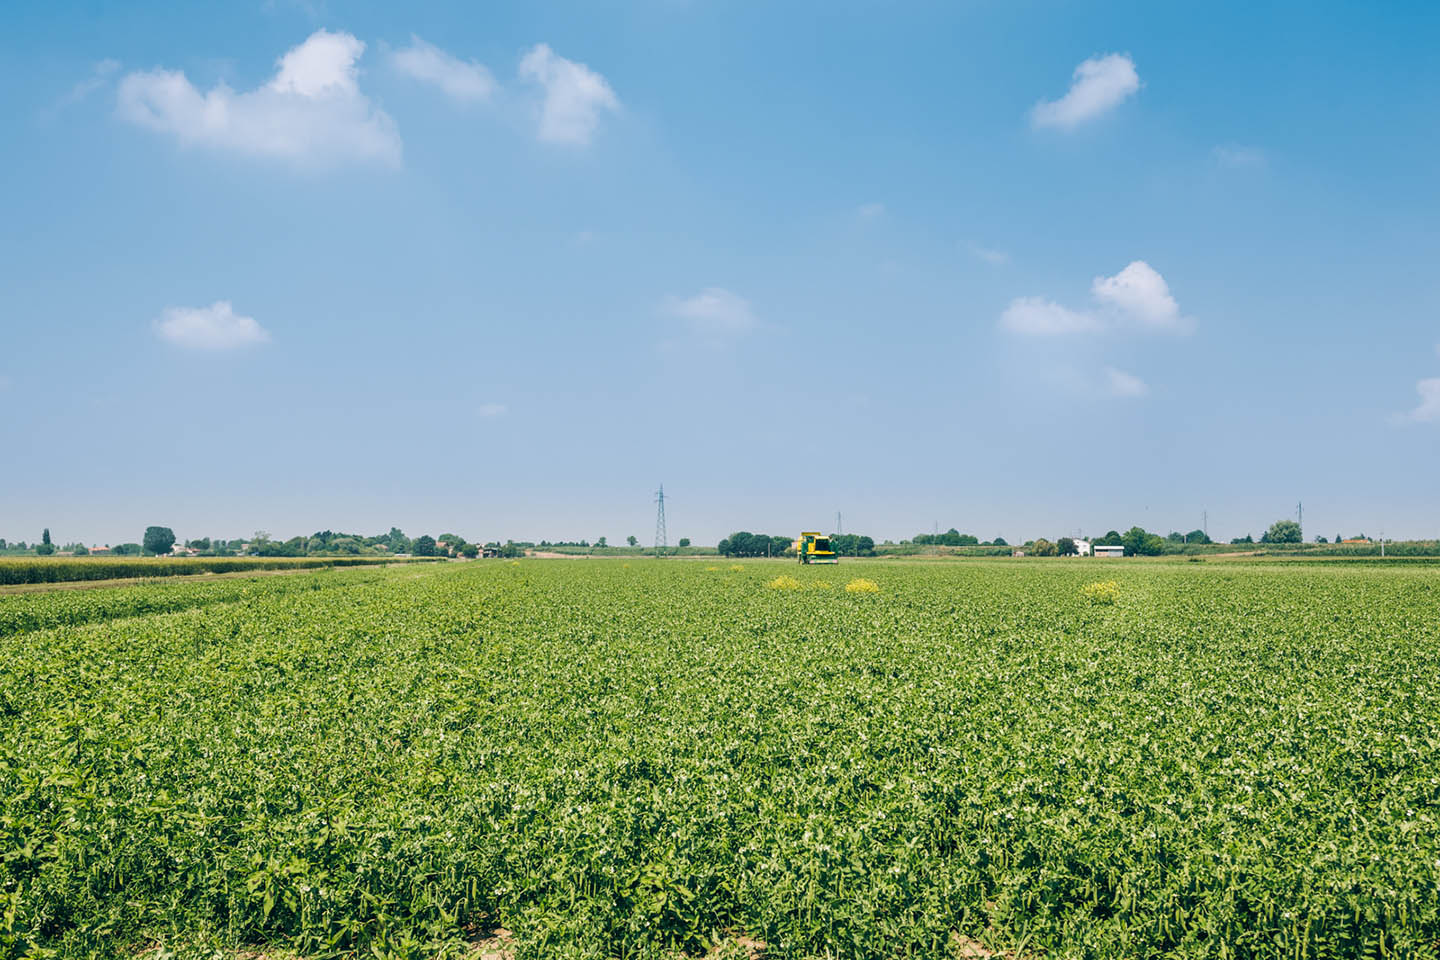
660, 541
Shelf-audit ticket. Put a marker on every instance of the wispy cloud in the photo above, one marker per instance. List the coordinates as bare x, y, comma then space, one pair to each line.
1235, 157
1428, 409
575, 96
1136, 298
311, 113
714, 313
994, 257
1122, 384
465, 81
1036, 316
216, 327
489, 411
870, 211
1099, 84
99, 76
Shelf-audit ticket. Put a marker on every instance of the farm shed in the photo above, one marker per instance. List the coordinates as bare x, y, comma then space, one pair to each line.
1105, 550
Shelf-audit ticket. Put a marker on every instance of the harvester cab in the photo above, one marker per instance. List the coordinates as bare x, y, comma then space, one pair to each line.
815, 548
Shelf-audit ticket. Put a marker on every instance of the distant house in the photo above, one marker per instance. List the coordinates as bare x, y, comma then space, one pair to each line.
1017, 552
1082, 548
1105, 550
95, 550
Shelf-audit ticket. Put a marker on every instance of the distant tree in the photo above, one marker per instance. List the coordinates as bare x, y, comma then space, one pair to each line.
1321, 540
1065, 546
202, 544
470, 551
684, 541
158, 540
45, 548
1175, 536
1282, 531
723, 547
1245, 539
126, 550
1000, 542
1044, 548
423, 546
1111, 539
45, 537
1197, 536
631, 540
1140, 543
1337, 538
80, 550
601, 542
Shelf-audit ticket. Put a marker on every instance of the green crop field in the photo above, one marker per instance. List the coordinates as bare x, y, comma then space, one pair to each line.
653, 758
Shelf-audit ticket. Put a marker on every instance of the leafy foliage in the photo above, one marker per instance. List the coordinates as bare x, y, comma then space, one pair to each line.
628, 761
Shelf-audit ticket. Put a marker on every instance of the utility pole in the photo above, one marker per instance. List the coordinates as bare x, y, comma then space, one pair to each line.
1300, 519
838, 529
1205, 523
660, 537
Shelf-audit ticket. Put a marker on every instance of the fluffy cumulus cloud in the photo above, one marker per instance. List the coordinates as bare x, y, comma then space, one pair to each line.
458, 79
216, 327
1136, 298
1036, 316
1122, 384
1139, 294
575, 96
312, 112
713, 313
1428, 409
1099, 84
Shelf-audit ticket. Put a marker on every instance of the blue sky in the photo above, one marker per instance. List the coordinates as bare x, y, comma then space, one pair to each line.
1023, 268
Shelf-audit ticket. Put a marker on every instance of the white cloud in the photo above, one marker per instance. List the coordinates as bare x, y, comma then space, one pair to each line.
492, 410
575, 96
458, 79
1099, 84
993, 257
870, 211
713, 313
1236, 157
1036, 316
216, 327
1139, 294
1429, 407
1122, 384
100, 75
1136, 298
311, 113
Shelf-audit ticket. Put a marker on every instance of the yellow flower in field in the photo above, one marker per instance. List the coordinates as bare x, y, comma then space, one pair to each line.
736, 568
784, 583
712, 568
822, 584
625, 566
1106, 592
861, 585
514, 563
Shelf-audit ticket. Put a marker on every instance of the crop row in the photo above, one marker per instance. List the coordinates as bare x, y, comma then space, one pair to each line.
65, 569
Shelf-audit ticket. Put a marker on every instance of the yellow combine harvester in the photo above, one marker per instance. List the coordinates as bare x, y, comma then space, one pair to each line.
815, 548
